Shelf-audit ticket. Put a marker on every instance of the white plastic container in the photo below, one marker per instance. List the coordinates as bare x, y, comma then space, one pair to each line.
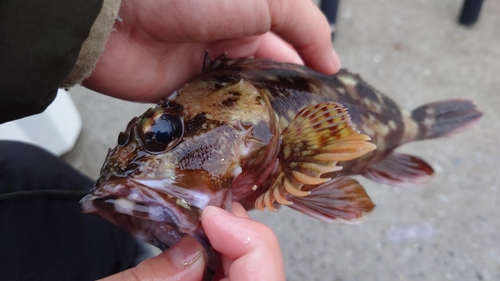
56, 129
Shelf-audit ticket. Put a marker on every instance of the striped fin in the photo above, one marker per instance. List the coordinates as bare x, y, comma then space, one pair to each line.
339, 200
317, 139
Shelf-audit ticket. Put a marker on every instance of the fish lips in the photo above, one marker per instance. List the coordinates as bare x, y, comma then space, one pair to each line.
147, 209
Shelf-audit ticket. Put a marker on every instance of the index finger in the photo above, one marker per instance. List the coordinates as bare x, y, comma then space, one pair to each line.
299, 22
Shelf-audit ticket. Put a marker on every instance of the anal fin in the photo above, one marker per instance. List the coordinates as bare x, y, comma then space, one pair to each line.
399, 170
339, 200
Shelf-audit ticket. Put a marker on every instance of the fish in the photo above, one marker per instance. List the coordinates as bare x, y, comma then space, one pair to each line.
264, 134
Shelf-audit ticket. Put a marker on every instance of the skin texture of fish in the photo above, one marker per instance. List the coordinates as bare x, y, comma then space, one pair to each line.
262, 133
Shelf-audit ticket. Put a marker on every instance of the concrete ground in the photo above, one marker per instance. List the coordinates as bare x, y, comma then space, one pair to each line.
447, 229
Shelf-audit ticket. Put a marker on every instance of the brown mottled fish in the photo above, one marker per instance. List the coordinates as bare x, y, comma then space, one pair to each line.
263, 134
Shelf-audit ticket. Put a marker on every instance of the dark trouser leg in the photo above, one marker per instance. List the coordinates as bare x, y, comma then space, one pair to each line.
42, 235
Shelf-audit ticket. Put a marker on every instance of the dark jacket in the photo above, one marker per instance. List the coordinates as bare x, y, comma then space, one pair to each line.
40, 42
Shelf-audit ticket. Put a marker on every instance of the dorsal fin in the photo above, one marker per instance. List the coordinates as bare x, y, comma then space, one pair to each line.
221, 60
206, 61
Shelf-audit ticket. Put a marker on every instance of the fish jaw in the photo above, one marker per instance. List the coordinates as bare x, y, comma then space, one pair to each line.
155, 211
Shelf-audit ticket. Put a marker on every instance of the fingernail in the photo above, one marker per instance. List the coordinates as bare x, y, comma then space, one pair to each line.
215, 210
185, 252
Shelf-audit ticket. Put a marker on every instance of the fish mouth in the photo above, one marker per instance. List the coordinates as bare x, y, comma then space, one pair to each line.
158, 217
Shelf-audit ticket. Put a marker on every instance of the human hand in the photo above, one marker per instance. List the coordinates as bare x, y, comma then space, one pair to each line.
183, 261
159, 45
249, 249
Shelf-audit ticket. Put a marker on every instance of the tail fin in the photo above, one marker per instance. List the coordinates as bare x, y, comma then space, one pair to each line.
444, 118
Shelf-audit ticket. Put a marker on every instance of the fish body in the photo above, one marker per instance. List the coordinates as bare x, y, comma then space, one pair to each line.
262, 133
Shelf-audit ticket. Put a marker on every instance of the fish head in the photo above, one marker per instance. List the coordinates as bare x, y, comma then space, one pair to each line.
176, 159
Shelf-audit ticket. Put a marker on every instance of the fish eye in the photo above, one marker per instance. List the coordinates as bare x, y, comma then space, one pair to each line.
160, 131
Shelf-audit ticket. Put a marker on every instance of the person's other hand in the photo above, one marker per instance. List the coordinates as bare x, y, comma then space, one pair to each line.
183, 261
159, 45
249, 249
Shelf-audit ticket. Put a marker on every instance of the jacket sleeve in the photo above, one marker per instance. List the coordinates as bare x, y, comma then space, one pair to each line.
45, 45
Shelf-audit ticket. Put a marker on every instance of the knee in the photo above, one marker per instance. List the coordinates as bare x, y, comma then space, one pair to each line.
26, 167
12, 152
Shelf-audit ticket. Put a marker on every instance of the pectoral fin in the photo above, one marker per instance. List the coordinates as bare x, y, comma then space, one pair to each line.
400, 169
317, 139
339, 200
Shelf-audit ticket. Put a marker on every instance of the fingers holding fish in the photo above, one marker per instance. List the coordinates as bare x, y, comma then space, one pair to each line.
157, 46
184, 261
196, 21
251, 250
306, 28
300, 26
300, 23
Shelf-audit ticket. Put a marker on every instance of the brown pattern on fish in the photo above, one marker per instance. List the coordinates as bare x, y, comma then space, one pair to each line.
290, 90
263, 134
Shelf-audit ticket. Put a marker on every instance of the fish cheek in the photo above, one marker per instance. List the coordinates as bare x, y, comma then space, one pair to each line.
200, 180
209, 160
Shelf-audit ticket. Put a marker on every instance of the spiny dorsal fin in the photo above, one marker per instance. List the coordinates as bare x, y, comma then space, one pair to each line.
221, 60
317, 139
206, 61
209, 64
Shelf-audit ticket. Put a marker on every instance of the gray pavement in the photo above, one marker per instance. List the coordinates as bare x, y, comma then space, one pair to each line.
447, 229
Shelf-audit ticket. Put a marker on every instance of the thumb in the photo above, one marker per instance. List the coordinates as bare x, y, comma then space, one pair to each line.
183, 261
